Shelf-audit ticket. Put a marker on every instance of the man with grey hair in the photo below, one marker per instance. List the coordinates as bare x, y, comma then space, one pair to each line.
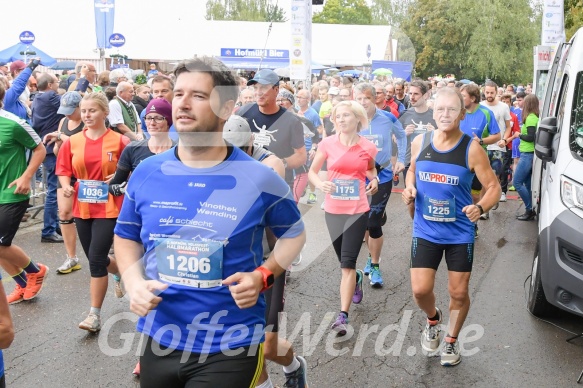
123, 116
116, 76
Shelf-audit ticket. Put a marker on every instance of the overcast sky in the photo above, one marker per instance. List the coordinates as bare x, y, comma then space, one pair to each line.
66, 28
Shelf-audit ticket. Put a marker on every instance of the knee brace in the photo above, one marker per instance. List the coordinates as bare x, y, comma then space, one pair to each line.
98, 266
375, 231
66, 222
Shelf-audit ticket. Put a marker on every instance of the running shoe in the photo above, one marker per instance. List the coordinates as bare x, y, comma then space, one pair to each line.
322, 205
35, 282
298, 378
476, 231
368, 266
512, 188
136, 371
395, 180
450, 355
376, 279
339, 326
358, 292
495, 207
485, 216
118, 287
71, 264
312, 198
92, 323
16, 296
431, 336
503, 197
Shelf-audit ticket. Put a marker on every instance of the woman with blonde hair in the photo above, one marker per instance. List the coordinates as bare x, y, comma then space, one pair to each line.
91, 156
351, 178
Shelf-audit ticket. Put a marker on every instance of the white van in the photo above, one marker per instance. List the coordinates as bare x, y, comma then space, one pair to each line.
557, 187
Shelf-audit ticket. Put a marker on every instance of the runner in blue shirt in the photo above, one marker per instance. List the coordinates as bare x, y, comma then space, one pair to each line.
199, 212
380, 131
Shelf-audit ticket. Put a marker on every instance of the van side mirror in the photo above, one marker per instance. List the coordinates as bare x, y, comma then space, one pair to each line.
547, 129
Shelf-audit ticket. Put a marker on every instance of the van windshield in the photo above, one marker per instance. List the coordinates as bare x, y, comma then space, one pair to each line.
576, 132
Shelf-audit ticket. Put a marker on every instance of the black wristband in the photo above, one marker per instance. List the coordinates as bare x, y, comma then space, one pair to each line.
33, 64
480, 207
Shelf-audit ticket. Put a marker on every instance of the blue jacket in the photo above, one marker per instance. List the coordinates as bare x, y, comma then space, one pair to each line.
45, 118
11, 102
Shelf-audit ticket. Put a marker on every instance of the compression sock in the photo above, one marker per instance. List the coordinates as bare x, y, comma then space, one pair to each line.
292, 367
20, 279
31, 268
435, 318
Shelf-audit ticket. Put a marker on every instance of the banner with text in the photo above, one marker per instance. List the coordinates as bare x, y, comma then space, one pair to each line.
301, 40
104, 17
553, 31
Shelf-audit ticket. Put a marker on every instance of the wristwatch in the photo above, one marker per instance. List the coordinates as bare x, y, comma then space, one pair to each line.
481, 142
480, 207
268, 277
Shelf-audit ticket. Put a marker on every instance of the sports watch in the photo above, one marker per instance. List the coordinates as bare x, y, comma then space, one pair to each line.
268, 277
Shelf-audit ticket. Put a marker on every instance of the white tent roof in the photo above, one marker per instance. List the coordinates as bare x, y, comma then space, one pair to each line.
178, 30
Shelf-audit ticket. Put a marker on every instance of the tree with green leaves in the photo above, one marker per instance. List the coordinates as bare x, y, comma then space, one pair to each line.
389, 12
245, 10
573, 17
344, 12
476, 40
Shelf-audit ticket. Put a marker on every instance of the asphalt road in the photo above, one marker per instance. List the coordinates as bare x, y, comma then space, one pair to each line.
504, 346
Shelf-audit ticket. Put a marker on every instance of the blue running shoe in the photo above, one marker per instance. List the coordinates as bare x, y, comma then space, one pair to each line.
297, 379
368, 266
376, 279
358, 293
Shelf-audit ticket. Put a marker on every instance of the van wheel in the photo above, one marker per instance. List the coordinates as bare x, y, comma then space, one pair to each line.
537, 302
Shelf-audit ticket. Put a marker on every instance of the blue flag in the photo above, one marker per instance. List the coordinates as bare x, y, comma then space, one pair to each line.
104, 16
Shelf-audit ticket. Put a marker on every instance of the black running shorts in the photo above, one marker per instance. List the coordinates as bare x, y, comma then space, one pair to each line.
10, 218
216, 370
425, 254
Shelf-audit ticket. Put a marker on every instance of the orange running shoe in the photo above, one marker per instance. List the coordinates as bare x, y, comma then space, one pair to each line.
16, 296
35, 282
136, 371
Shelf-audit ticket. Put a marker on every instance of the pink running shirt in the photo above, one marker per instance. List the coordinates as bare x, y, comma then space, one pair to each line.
347, 168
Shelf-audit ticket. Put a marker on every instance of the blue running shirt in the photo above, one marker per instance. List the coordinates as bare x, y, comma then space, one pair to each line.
199, 226
481, 122
379, 132
444, 183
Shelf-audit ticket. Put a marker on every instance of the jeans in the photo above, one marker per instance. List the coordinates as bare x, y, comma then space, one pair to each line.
51, 216
522, 177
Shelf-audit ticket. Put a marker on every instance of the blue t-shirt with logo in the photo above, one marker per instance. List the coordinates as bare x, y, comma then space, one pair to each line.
199, 226
480, 121
379, 132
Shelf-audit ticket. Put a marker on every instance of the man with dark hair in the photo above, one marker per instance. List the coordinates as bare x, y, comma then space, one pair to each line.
380, 132
400, 95
418, 119
478, 123
496, 153
162, 87
45, 120
199, 211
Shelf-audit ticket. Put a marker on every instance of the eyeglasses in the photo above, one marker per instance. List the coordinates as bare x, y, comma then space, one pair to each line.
449, 110
157, 119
